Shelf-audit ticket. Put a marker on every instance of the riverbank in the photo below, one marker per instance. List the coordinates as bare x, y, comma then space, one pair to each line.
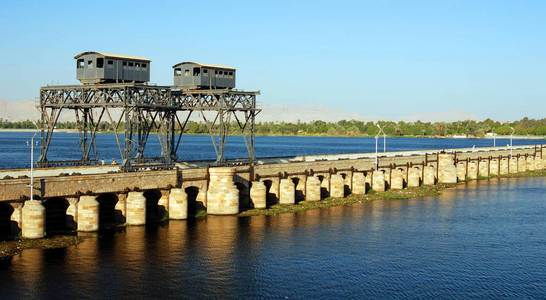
409, 193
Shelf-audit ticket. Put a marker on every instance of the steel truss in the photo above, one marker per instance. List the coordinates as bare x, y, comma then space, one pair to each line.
133, 111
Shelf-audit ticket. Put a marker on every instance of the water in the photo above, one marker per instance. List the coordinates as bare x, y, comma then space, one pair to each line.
14, 153
479, 240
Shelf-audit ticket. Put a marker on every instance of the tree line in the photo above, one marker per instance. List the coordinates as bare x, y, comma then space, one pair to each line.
469, 128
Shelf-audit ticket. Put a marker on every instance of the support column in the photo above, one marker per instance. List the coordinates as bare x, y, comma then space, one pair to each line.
337, 186
538, 162
472, 170
397, 179
414, 175
522, 164
178, 204
503, 166
135, 209
483, 169
88, 214
287, 192
16, 217
494, 167
447, 172
359, 183
461, 171
222, 194
33, 220
530, 163
378, 183
72, 213
429, 177
313, 189
513, 165
119, 210
325, 184
258, 194
163, 202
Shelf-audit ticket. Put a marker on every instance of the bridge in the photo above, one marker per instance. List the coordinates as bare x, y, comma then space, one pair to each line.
87, 198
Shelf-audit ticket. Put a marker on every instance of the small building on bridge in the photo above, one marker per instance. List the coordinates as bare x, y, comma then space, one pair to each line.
192, 75
99, 67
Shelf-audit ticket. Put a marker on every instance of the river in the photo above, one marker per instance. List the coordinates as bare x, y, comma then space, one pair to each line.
483, 239
14, 153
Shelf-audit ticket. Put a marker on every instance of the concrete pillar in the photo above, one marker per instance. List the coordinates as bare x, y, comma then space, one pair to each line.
472, 170
337, 186
538, 162
163, 202
120, 209
313, 189
447, 172
178, 204
461, 171
378, 183
88, 214
325, 183
16, 217
72, 213
530, 163
135, 209
287, 191
414, 175
222, 194
397, 179
359, 183
33, 220
258, 194
483, 169
513, 165
494, 167
430, 175
503, 166
522, 164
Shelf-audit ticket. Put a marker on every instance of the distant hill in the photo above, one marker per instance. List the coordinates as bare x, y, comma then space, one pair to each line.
22, 110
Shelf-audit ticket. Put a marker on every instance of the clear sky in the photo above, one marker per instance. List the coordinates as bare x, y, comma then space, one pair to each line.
385, 58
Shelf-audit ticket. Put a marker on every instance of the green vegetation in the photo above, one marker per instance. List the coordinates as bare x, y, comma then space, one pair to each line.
470, 128
10, 248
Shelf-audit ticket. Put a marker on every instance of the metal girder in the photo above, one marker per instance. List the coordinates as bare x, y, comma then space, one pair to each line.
133, 111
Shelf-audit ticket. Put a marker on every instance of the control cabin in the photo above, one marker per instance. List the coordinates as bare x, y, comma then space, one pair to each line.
192, 75
98, 67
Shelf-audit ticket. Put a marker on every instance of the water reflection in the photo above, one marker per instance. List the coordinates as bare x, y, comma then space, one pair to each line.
480, 239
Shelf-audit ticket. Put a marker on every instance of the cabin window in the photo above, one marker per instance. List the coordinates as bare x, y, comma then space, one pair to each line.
143, 66
100, 62
177, 72
196, 71
131, 64
110, 62
186, 73
80, 64
205, 72
230, 73
89, 64
125, 65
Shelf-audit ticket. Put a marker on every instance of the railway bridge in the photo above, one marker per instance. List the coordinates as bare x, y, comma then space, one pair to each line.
88, 198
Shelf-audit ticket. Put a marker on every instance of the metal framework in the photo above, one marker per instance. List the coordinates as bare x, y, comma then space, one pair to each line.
136, 110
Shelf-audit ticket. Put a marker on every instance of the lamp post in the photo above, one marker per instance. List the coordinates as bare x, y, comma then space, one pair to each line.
31, 144
511, 135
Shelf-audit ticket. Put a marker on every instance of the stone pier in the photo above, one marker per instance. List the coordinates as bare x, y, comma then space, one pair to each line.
258, 195
359, 183
414, 177
337, 188
378, 183
33, 226
88, 214
312, 189
135, 206
430, 175
178, 204
397, 179
287, 191
222, 194
447, 172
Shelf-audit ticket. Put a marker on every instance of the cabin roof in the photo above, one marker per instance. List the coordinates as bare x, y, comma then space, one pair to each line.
205, 65
110, 55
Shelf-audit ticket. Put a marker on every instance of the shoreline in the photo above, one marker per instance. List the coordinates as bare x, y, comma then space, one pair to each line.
519, 137
10, 248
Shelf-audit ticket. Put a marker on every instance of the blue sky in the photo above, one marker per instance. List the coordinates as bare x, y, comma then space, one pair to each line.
384, 58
